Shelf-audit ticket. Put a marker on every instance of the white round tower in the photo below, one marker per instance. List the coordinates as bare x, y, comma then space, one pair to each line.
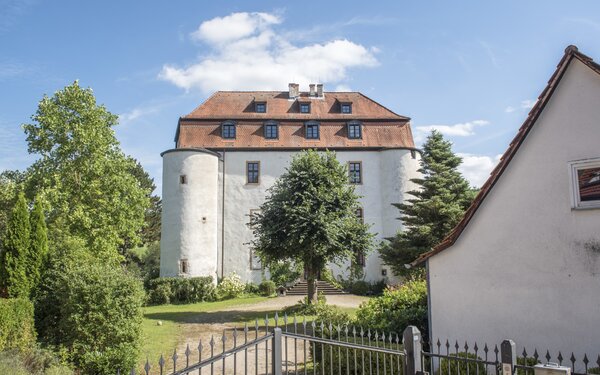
189, 234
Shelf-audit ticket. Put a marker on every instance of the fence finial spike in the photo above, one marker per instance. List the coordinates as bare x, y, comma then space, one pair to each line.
147, 366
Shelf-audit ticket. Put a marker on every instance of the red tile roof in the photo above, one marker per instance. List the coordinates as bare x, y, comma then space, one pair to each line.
238, 105
571, 53
381, 128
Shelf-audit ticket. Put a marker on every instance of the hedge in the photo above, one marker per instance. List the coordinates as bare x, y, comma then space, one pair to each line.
16, 324
181, 290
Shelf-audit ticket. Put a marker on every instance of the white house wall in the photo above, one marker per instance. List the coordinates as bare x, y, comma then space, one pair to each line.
385, 180
527, 267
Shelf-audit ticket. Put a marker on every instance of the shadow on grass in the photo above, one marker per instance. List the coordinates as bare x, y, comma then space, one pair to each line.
200, 317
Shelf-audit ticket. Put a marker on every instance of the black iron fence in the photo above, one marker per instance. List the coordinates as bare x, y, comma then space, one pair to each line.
291, 346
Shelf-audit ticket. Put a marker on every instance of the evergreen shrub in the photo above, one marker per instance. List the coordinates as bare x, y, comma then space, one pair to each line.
267, 288
16, 324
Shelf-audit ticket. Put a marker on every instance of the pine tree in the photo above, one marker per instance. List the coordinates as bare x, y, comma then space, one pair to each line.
15, 250
38, 250
437, 206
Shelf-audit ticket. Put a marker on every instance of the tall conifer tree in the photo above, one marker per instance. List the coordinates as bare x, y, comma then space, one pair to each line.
14, 282
38, 251
437, 205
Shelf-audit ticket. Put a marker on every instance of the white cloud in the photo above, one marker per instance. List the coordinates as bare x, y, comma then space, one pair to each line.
476, 168
342, 87
247, 53
136, 113
464, 129
525, 105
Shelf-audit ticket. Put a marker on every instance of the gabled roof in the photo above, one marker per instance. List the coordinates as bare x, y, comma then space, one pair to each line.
571, 52
239, 105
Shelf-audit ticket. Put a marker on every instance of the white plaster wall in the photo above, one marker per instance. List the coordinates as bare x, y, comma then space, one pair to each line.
521, 269
190, 213
385, 180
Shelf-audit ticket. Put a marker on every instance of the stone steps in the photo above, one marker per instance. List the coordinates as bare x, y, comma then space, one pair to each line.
301, 289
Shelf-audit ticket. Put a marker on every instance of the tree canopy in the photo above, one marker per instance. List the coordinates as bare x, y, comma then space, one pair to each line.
436, 206
309, 217
82, 173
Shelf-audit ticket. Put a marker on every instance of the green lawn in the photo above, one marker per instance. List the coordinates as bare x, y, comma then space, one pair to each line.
163, 339
176, 319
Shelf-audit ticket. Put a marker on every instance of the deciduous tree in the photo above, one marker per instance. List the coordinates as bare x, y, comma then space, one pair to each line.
82, 172
38, 250
309, 217
437, 205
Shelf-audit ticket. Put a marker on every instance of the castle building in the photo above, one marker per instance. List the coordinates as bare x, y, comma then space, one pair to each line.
233, 147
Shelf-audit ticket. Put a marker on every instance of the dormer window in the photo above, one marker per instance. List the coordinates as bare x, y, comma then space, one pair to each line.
260, 107
354, 130
228, 130
304, 107
271, 130
311, 130
346, 108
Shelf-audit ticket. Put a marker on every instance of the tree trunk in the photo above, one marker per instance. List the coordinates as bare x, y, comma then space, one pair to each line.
312, 285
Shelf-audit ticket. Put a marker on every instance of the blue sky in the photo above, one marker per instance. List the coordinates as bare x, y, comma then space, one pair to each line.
471, 69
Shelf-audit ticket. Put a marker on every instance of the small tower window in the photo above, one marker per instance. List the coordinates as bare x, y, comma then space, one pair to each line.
413, 154
228, 130
304, 107
184, 266
346, 108
183, 179
260, 107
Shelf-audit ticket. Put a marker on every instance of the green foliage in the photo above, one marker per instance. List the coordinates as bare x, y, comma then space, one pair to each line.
267, 288
38, 252
15, 257
16, 324
594, 370
327, 275
360, 288
231, 286
284, 272
181, 290
438, 205
455, 366
251, 288
526, 361
396, 309
308, 216
11, 183
82, 173
90, 310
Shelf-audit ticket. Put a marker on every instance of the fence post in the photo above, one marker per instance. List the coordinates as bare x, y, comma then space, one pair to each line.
411, 339
276, 360
508, 355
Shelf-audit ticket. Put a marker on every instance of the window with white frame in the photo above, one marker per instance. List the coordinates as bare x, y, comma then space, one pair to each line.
585, 183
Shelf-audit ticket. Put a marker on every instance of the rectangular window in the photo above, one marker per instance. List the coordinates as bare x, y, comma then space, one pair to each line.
312, 131
228, 131
346, 108
355, 171
304, 107
359, 215
354, 130
252, 172
271, 131
183, 179
260, 107
585, 183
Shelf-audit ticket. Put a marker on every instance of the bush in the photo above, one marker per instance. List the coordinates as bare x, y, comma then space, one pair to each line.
360, 288
32, 362
92, 312
283, 273
181, 290
267, 288
396, 309
16, 324
251, 288
594, 370
231, 286
458, 366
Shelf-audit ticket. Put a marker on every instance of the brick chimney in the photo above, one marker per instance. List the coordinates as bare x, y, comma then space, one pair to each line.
319, 90
294, 90
312, 89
